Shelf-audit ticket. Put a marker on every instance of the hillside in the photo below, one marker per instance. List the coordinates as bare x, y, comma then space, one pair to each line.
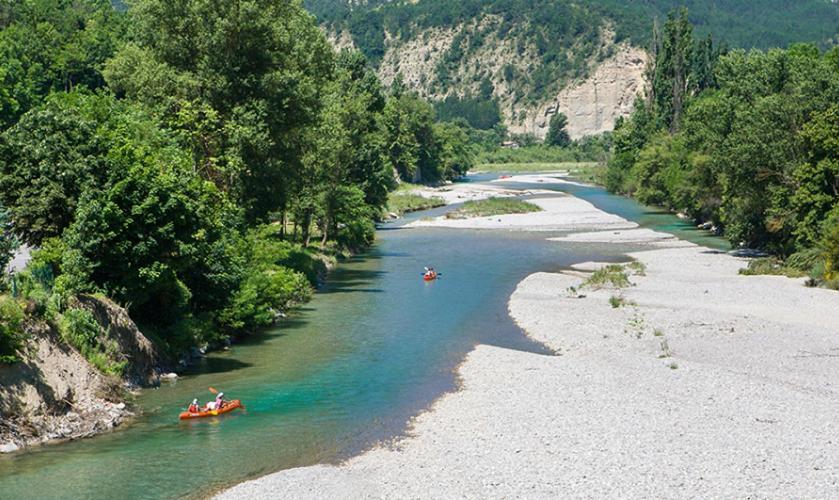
526, 58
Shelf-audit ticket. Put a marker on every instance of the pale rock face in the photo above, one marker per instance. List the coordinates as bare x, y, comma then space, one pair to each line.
594, 104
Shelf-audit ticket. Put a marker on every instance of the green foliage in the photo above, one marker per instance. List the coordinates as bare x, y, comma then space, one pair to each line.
562, 38
80, 329
557, 133
150, 239
480, 112
830, 248
613, 275
751, 146
146, 173
12, 335
771, 266
8, 242
589, 149
49, 46
242, 82
268, 287
401, 203
493, 206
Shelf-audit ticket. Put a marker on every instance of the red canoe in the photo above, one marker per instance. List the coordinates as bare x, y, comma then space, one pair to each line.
429, 276
228, 406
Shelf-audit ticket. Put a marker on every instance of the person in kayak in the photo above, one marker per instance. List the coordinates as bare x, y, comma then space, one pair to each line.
218, 404
193, 407
429, 271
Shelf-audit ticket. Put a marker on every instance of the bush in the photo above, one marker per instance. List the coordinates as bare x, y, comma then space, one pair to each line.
771, 266
271, 283
12, 335
830, 249
401, 203
493, 206
80, 329
612, 275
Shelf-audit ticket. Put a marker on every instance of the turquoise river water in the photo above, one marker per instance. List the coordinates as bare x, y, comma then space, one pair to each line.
375, 347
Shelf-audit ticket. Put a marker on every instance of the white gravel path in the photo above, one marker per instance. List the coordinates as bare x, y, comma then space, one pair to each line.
744, 406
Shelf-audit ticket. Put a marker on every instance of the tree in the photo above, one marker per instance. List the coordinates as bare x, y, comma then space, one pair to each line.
557, 133
158, 239
253, 73
53, 46
49, 158
8, 242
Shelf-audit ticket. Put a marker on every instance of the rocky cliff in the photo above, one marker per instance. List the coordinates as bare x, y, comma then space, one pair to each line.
593, 104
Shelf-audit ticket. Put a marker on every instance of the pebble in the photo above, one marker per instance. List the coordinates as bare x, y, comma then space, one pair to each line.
9, 447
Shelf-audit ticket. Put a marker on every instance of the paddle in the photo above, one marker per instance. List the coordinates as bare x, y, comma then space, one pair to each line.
438, 274
213, 390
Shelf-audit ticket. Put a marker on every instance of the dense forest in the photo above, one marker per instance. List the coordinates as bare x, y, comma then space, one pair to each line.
195, 161
748, 140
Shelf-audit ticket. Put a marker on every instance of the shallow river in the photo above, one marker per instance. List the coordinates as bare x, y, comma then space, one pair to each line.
375, 347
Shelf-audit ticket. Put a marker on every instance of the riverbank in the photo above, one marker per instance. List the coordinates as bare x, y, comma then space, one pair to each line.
703, 381
54, 394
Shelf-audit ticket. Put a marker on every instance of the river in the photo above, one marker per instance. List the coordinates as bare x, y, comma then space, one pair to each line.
376, 346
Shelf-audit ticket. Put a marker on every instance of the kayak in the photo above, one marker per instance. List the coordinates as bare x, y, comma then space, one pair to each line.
429, 276
228, 406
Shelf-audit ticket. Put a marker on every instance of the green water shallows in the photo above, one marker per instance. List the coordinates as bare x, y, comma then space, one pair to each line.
374, 348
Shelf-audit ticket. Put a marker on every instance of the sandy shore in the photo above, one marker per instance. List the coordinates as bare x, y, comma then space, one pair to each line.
705, 384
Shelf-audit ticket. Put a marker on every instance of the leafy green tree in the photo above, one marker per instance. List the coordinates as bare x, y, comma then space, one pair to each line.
830, 248
557, 133
457, 154
252, 72
817, 179
156, 239
8, 242
49, 46
49, 158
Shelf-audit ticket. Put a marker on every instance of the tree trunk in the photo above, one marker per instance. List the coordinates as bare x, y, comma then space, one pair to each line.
307, 224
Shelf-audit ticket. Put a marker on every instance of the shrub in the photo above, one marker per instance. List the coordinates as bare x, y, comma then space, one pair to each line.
493, 206
612, 275
80, 329
771, 266
12, 335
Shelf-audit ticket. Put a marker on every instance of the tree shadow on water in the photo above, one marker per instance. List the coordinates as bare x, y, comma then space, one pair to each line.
217, 364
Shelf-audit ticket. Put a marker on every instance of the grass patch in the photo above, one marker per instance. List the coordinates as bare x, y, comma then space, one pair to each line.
493, 206
613, 275
771, 266
402, 202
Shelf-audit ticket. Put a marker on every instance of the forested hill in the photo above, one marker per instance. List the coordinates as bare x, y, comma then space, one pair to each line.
511, 59
741, 23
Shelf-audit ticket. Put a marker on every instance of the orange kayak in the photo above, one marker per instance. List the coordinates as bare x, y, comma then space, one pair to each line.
228, 406
429, 276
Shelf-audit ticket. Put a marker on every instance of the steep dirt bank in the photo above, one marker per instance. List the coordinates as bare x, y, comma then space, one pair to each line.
55, 394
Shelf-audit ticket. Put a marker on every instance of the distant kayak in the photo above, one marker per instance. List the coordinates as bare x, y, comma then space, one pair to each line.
430, 276
228, 407
506, 177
